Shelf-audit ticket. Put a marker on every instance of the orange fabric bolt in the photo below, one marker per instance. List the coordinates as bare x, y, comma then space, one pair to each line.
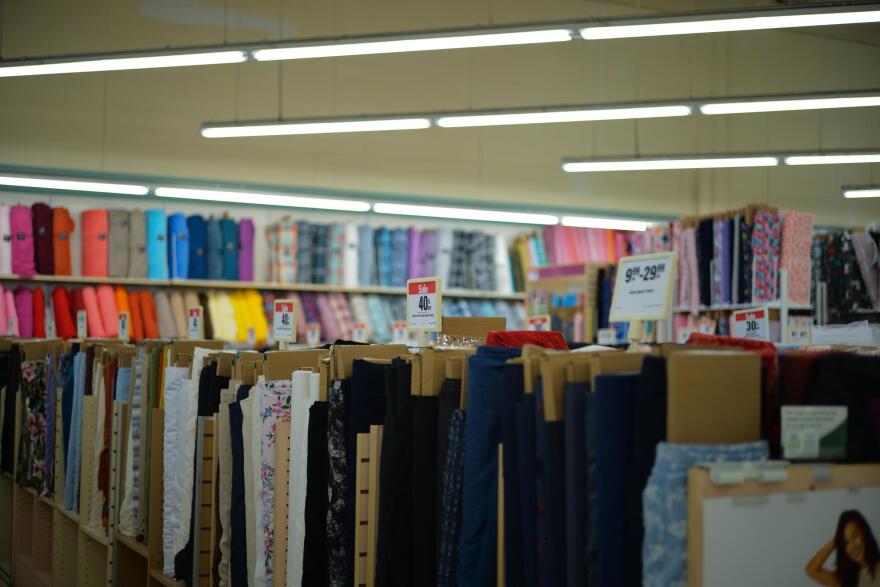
62, 233
95, 240
148, 314
137, 322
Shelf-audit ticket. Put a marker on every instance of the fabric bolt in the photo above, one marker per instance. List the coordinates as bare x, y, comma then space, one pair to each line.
335, 252
797, 237
12, 314
869, 264
575, 483
73, 457
229, 232
745, 260
301, 402
450, 522
22, 248
196, 266
526, 452
338, 547
665, 503
136, 315
178, 313
39, 313
705, 249
477, 550
119, 240
5, 320
320, 251
224, 492
238, 572
24, 308
31, 470
304, 256
44, 258
131, 497
148, 315
246, 250
164, 315
766, 238
95, 242
137, 244
443, 257
547, 540
178, 247
315, 560
512, 390
214, 250
366, 256
382, 240
282, 238
424, 489
351, 254
107, 308
66, 377
5, 240
447, 402
399, 256
157, 245
65, 326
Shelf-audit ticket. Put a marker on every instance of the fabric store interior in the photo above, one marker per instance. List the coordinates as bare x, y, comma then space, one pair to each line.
468, 293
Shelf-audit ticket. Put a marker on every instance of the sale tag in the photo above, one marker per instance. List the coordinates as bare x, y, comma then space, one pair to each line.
539, 323
284, 321
194, 327
424, 305
399, 335
707, 325
251, 336
313, 333
607, 336
122, 331
643, 289
10, 325
359, 332
82, 325
800, 329
754, 324
51, 332
683, 335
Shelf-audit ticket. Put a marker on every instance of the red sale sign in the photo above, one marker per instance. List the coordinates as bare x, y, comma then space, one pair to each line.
422, 287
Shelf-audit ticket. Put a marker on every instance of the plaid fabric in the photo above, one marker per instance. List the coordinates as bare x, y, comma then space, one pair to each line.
382, 238
320, 248
399, 256
450, 522
282, 240
309, 303
482, 262
366, 256
304, 253
342, 313
458, 260
335, 248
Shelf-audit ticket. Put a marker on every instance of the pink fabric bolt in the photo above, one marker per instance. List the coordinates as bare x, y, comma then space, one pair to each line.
107, 305
93, 313
22, 228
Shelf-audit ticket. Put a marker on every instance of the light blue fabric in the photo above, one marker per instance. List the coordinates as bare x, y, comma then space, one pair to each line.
664, 550
157, 246
366, 256
74, 456
123, 382
178, 246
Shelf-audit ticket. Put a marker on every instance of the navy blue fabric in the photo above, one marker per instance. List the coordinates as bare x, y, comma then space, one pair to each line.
542, 522
575, 483
512, 390
237, 542
615, 403
649, 428
178, 247
554, 476
478, 544
197, 245
213, 249
315, 560
425, 490
67, 408
528, 501
447, 403
591, 557
229, 229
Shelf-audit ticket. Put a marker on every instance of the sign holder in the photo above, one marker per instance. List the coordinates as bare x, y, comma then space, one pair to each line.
643, 291
424, 307
284, 322
122, 330
195, 325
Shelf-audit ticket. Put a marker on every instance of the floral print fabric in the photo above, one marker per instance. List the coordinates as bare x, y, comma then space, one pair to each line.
766, 236
337, 486
32, 450
797, 237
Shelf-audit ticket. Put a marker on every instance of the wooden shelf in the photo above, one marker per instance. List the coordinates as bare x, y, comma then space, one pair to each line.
72, 516
133, 545
776, 305
261, 285
157, 575
26, 574
95, 534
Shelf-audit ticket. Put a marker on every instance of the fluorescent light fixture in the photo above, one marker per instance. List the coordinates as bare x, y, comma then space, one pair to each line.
263, 199
71, 185
732, 21
748, 105
311, 128
109, 63
609, 223
668, 163
833, 159
464, 214
562, 115
376, 46
862, 192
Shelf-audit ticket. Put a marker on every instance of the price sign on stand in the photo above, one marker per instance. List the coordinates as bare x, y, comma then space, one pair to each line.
800, 329
359, 332
754, 324
399, 335
194, 325
540, 323
284, 321
683, 335
643, 290
707, 325
607, 336
424, 305
82, 325
122, 330
313, 333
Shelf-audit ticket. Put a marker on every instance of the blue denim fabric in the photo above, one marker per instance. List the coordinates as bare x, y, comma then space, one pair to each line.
664, 551
382, 238
157, 246
123, 383
366, 256
478, 544
399, 256
197, 259
213, 249
229, 230
71, 479
178, 247
528, 500
450, 520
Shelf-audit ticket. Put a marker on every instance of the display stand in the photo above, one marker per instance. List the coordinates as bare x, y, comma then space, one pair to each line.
582, 280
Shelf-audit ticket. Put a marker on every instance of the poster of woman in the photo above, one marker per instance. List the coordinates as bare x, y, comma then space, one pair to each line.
856, 555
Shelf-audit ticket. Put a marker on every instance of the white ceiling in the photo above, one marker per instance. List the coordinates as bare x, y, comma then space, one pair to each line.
146, 122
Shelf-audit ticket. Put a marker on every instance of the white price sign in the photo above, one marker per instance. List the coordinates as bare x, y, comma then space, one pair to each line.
313, 333
707, 326
194, 327
424, 305
800, 329
643, 289
754, 324
684, 334
82, 325
607, 336
284, 321
399, 335
122, 330
540, 323
51, 332
359, 332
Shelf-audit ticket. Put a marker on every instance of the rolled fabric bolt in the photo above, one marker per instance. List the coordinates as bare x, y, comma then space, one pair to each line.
109, 314
62, 306
5, 242
148, 315
22, 230
39, 313
95, 243
42, 228
62, 233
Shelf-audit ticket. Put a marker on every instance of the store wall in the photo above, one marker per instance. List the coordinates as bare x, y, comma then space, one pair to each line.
147, 121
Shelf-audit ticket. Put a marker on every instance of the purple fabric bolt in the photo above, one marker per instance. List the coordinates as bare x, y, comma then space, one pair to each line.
415, 246
246, 250
22, 228
429, 253
24, 309
329, 326
726, 260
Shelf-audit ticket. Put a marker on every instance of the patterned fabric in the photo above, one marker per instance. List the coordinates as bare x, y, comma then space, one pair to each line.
869, 264
74, 456
745, 261
481, 263
335, 248
366, 256
450, 522
382, 239
51, 390
282, 240
275, 397
399, 257
320, 249
337, 486
664, 549
766, 250
129, 514
458, 259
819, 253
32, 449
797, 237
718, 250
304, 253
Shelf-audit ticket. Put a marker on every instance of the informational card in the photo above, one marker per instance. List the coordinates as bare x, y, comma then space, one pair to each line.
539, 323
424, 305
683, 335
800, 329
643, 289
607, 336
251, 336
194, 325
814, 432
359, 332
399, 334
284, 320
123, 326
82, 324
707, 325
313, 333
753, 324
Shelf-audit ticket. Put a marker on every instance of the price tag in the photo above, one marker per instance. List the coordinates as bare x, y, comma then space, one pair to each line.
643, 289
251, 336
359, 332
82, 325
539, 323
754, 324
424, 305
684, 334
313, 333
122, 330
51, 332
399, 335
707, 325
800, 329
607, 336
194, 327
284, 320
10, 325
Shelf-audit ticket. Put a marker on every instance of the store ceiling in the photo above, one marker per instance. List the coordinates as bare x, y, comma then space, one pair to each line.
147, 122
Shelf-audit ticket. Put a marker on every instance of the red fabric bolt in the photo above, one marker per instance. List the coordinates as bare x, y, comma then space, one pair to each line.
517, 338
62, 306
42, 215
134, 309
95, 240
39, 313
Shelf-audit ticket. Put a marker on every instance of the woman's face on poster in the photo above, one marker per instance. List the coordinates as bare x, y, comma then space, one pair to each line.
855, 542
